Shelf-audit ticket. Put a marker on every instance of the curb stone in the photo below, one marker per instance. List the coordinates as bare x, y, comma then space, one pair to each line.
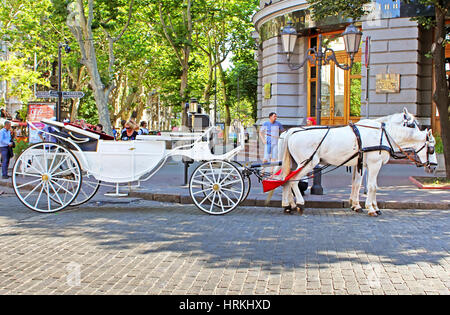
252, 202
186, 199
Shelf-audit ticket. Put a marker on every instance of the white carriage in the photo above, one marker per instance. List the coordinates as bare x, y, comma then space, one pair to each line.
50, 176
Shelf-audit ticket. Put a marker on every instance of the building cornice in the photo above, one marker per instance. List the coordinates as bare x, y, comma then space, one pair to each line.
277, 9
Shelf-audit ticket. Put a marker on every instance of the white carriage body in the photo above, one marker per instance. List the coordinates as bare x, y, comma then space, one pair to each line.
70, 172
122, 161
128, 161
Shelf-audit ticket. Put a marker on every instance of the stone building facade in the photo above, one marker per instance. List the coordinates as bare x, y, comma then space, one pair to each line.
397, 50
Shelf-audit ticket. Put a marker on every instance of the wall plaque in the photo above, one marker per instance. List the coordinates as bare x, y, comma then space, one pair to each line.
388, 83
268, 90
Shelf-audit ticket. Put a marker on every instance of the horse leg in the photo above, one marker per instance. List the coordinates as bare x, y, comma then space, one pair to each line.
286, 198
375, 205
352, 194
300, 201
373, 170
299, 198
356, 187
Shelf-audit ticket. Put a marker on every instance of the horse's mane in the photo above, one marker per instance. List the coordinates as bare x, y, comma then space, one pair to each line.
397, 117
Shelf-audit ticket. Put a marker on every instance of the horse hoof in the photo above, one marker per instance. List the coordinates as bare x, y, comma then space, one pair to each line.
357, 209
287, 210
300, 209
378, 212
373, 214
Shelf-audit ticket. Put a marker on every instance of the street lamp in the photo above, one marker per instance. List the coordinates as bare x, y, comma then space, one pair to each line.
193, 109
320, 56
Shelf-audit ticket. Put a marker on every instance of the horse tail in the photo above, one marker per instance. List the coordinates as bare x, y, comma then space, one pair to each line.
286, 162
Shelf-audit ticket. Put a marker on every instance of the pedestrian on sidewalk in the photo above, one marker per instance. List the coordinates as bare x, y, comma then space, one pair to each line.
6, 144
270, 133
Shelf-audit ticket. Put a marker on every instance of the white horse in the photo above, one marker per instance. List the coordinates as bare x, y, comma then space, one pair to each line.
397, 135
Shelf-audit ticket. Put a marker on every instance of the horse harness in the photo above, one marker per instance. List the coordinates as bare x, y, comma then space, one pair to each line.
410, 154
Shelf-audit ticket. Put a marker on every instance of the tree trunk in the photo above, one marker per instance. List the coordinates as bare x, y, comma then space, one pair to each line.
207, 90
226, 102
183, 86
441, 96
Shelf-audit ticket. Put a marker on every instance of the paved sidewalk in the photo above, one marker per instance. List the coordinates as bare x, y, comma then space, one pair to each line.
147, 247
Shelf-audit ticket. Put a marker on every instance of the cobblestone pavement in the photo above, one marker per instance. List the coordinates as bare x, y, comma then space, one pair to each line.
131, 246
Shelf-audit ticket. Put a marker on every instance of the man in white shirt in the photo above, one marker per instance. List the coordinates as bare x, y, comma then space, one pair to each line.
5, 145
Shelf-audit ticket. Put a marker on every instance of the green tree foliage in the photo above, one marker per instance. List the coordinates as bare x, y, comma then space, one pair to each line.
22, 79
353, 9
132, 54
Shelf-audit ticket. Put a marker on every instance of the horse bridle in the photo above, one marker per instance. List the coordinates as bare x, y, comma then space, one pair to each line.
408, 153
413, 157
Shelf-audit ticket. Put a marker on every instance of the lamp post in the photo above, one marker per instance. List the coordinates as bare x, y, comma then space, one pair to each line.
192, 108
58, 106
320, 56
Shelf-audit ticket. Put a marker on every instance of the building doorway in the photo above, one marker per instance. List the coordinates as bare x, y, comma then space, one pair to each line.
341, 90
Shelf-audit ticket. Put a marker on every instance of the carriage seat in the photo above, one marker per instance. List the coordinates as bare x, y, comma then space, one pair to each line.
86, 140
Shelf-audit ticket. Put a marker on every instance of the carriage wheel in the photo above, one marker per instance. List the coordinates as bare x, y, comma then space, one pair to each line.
88, 189
47, 177
247, 187
247, 183
216, 187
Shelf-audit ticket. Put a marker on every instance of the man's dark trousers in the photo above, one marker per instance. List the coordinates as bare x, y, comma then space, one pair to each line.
5, 160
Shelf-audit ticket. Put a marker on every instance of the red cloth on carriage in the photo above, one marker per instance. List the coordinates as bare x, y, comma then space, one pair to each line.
271, 184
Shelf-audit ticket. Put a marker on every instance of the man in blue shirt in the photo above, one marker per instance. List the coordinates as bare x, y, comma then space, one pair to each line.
270, 133
5, 144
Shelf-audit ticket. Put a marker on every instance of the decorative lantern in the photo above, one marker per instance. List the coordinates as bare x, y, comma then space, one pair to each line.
289, 39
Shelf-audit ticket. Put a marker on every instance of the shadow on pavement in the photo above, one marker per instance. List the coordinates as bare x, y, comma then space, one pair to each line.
247, 237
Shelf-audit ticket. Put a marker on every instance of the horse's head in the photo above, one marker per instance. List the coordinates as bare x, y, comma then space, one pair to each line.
406, 131
408, 119
425, 152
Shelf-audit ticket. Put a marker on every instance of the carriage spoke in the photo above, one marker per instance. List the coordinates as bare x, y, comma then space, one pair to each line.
232, 182
56, 193
206, 197
229, 200
200, 182
29, 174
39, 197
38, 171
60, 163
201, 191
225, 178
212, 172
54, 158
33, 181
231, 190
65, 171
221, 203
63, 188
206, 176
64, 179
32, 191
212, 202
48, 197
